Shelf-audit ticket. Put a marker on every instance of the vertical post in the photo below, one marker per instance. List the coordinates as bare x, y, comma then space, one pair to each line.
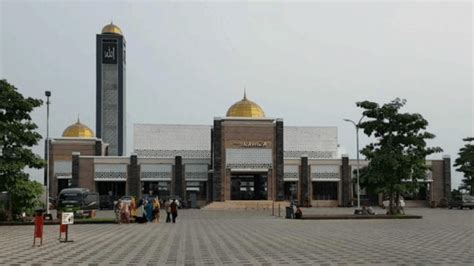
47, 94
358, 174
357, 143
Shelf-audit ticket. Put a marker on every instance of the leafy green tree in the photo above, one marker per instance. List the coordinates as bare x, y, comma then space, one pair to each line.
399, 151
465, 164
17, 136
25, 196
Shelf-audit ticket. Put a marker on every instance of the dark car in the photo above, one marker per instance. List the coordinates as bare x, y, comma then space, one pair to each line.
461, 202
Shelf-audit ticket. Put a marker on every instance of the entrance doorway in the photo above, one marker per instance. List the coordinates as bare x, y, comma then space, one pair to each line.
291, 190
110, 192
156, 188
63, 183
248, 186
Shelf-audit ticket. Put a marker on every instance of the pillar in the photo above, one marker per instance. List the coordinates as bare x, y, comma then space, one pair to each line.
98, 148
305, 197
75, 169
279, 163
133, 178
217, 162
179, 184
447, 176
346, 182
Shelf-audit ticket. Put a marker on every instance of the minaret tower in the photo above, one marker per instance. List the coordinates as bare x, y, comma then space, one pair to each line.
110, 93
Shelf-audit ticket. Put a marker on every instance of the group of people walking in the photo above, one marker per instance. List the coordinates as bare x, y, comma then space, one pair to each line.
147, 210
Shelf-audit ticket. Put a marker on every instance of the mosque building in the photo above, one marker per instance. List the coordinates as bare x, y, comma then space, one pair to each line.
243, 156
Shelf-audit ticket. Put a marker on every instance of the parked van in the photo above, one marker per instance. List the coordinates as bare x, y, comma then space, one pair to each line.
461, 202
78, 200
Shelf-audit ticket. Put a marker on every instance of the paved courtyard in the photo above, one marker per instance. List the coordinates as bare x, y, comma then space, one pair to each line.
444, 237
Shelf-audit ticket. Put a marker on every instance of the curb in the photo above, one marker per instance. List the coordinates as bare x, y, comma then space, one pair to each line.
57, 222
360, 217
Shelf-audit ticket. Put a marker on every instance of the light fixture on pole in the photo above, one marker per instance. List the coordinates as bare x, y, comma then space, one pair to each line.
46, 180
357, 125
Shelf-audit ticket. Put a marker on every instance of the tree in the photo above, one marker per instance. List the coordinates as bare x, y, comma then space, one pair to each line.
24, 196
399, 151
17, 136
465, 164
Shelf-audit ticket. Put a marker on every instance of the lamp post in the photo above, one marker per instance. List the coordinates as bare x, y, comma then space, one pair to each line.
46, 181
358, 166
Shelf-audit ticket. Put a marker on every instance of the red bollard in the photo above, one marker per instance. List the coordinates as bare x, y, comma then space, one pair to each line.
62, 231
39, 222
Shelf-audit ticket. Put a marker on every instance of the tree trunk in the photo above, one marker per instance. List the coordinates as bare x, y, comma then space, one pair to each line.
397, 203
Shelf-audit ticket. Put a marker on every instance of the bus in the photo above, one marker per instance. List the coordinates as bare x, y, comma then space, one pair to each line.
78, 200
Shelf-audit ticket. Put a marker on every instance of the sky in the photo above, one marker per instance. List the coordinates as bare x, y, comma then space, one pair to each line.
305, 62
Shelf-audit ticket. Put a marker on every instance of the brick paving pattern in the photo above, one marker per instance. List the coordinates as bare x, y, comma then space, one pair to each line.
444, 237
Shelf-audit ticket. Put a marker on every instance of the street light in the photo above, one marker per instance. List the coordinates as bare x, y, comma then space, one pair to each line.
46, 181
357, 143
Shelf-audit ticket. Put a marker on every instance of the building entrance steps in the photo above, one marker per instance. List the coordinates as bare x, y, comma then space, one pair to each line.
242, 205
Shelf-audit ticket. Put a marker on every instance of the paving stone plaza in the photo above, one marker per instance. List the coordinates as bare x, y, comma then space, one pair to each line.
444, 237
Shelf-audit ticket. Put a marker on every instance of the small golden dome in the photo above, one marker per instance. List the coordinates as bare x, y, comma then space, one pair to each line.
78, 130
111, 28
245, 108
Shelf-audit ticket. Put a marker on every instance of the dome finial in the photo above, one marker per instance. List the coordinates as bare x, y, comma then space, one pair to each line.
245, 94
78, 120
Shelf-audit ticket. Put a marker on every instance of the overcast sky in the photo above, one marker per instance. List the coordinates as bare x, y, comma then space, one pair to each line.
307, 63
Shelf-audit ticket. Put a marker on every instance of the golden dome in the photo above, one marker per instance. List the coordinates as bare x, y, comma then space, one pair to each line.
245, 108
78, 130
111, 28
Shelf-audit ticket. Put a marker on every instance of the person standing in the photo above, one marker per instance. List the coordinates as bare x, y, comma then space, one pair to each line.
168, 211
156, 210
133, 209
125, 213
117, 210
174, 210
149, 210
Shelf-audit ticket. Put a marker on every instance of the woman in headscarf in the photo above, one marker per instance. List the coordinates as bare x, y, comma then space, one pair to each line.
149, 210
117, 210
125, 213
133, 209
156, 210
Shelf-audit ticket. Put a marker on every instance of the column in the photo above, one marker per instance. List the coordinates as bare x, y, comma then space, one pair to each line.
75, 169
133, 178
447, 176
98, 148
305, 197
280, 185
217, 162
346, 181
179, 184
